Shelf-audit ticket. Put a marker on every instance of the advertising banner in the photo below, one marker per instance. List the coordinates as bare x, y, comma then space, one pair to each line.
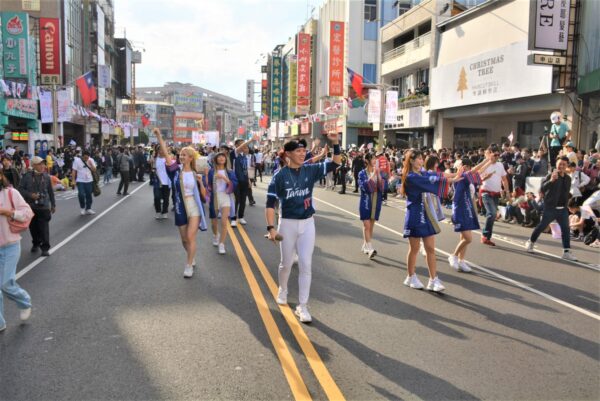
50, 60
304, 56
552, 24
336, 58
276, 89
15, 41
188, 101
212, 138
63, 100
104, 73
24, 108
391, 107
249, 95
489, 77
374, 111
46, 106
263, 96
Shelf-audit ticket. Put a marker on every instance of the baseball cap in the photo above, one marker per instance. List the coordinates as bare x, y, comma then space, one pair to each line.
37, 160
293, 145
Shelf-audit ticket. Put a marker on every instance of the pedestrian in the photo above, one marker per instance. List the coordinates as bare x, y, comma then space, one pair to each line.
342, 171
12, 206
107, 165
464, 211
11, 173
556, 187
188, 191
383, 164
124, 161
491, 190
83, 178
220, 185
36, 188
140, 163
358, 165
239, 162
371, 195
292, 186
420, 222
559, 133
260, 166
161, 184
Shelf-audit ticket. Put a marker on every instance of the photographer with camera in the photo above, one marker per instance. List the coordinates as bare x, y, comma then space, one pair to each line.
36, 188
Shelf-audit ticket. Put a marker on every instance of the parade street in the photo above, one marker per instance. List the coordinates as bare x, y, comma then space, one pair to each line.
113, 317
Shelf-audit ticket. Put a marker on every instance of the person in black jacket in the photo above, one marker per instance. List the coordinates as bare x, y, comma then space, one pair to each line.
11, 173
358, 165
36, 188
556, 187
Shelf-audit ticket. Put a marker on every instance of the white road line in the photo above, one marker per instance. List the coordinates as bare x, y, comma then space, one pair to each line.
497, 275
520, 244
39, 260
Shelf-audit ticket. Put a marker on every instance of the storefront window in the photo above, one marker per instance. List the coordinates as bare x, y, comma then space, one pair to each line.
466, 138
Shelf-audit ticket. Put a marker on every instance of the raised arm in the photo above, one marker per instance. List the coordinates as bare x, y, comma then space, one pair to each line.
255, 137
163, 146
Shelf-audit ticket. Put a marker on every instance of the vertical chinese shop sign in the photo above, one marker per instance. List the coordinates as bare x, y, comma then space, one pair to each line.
304, 56
15, 40
336, 58
276, 89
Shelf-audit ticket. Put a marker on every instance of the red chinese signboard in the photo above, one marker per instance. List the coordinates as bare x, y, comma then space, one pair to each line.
336, 58
50, 50
304, 55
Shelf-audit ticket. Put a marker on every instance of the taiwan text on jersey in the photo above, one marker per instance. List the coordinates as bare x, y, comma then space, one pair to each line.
293, 189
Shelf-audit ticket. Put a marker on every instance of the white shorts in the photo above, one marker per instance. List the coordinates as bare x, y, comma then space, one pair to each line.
191, 207
224, 200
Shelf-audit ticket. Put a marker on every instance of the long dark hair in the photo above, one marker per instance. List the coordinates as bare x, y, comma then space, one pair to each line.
215, 160
409, 156
3, 181
430, 162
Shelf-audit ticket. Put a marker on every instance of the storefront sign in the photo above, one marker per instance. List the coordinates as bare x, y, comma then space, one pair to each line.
292, 88
336, 58
30, 5
15, 40
249, 95
489, 77
552, 24
188, 101
305, 127
549, 59
374, 110
50, 61
303, 80
24, 108
263, 96
276, 89
20, 136
330, 126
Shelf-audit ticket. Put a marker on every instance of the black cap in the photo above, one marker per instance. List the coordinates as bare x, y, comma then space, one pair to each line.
293, 145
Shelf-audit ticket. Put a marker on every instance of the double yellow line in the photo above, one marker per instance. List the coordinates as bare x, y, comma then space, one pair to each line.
290, 370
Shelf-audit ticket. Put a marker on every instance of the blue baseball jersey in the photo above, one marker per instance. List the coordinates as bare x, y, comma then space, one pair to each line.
293, 189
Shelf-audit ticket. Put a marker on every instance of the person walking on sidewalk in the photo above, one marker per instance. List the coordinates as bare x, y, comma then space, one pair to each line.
124, 162
556, 187
292, 186
491, 190
220, 185
82, 176
12, 206
36, 188
107, 165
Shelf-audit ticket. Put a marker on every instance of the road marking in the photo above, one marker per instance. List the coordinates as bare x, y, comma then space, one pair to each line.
290, 370
316, 363
39, 260
497, 275
520, 244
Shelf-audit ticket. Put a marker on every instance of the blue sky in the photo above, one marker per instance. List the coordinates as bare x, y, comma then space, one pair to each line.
210, 43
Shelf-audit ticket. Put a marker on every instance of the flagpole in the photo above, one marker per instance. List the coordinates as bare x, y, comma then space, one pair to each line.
55, 117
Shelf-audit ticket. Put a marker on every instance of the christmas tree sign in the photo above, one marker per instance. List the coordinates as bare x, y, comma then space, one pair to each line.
462, 82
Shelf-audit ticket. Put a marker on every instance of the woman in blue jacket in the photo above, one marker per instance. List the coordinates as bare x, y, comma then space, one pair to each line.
221, 184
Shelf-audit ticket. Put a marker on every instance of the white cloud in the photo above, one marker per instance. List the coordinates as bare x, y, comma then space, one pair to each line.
210, 43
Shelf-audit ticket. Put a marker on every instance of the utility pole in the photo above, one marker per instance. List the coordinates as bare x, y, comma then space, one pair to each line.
381, 135
133, 103
55, 117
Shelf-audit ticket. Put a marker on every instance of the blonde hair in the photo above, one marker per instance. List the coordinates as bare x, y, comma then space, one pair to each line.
190, 151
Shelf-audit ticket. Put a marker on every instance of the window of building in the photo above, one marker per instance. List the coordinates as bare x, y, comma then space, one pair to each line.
423, 76
370, 10
370, 73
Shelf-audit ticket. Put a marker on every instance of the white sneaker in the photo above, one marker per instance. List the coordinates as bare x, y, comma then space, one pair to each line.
158, 216
453, 262
233, 223
529, 246
25, 314
435, 285
295, 261
303, 314
372, 253
282, 297
569, 256
216, 240
82, 212
90, 211
413, 282
464, 266
194, 263
188, 271
164, 216
363, 248
221, 249
2, 328
243, 222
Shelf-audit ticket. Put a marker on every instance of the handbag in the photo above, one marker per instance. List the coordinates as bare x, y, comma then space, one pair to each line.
96, 180
16, 226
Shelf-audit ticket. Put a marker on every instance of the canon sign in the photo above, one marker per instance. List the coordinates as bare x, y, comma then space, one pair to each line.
50, 50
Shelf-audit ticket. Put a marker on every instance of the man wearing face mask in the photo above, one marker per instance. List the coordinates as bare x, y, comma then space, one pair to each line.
36, 188
556, 187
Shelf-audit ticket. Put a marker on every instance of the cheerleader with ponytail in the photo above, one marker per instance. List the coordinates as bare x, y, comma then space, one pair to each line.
221, 183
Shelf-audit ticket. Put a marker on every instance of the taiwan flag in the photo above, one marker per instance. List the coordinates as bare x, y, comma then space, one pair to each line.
86, 86
145, 119
264, 121
356, 81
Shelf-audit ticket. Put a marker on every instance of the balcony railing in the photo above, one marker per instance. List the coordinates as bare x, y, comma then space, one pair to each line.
414, 101
416, 43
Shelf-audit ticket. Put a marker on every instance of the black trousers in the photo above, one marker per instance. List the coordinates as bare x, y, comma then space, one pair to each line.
40, 228
161, 199
140, 172
356, 182
342, 179
259, 171
241, 193
124, 181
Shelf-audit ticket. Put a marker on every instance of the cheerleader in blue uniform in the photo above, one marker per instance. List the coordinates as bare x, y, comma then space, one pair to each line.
371, 195
220, 185
464, 211
188, 192
420, 222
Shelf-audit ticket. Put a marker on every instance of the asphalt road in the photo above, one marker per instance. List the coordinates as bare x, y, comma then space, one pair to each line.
114, 319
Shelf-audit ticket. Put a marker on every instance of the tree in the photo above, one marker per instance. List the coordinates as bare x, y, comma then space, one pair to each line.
462, 82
